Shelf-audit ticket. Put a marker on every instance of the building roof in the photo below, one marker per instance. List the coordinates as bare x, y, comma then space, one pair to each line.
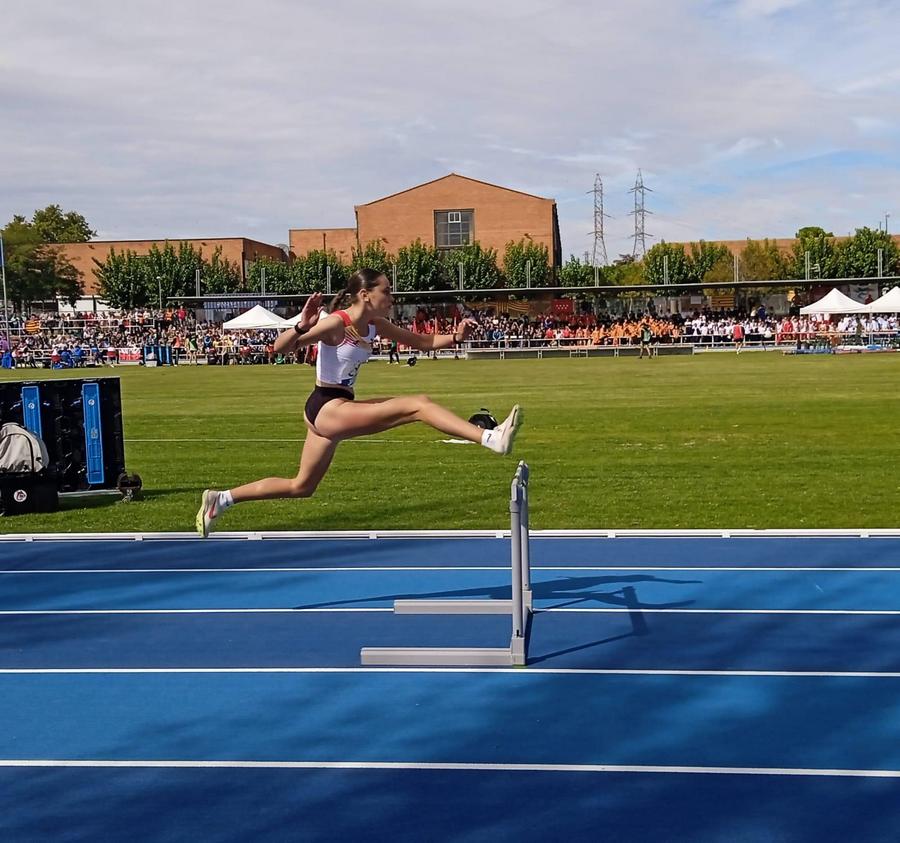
458, 176
163, 240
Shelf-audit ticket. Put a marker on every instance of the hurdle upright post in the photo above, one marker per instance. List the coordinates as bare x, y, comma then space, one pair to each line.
519, 606
516, 501
525, 530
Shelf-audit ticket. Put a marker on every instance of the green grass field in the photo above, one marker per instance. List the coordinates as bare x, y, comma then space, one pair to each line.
712, 441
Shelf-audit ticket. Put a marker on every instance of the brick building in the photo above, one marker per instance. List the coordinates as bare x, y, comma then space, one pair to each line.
238, 250
448, 212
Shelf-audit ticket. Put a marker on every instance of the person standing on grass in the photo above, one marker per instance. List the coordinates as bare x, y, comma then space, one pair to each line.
737, 334
344, 339
646, 339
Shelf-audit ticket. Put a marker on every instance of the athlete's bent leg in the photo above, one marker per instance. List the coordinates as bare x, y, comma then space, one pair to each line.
314, 462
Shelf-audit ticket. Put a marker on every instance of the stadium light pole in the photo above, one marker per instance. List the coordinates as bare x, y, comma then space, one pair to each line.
5, 303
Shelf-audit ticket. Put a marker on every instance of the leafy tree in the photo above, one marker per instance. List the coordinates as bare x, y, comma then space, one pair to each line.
219, 275
574, 273
704, 256
278, 275
374, 256
35, 269
625, 272
680, 269
761, 260
55, 226
122, 279
721, 272
310, 273
421, 267
857, 257
130, 280
480, 270
820, 245
515, 263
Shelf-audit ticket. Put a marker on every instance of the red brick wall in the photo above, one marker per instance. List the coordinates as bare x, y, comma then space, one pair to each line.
500, 215
305, 240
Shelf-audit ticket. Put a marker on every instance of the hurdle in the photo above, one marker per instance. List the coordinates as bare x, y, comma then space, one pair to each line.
519, 607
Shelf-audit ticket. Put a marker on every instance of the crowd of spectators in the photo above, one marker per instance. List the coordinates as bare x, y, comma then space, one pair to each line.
174, 335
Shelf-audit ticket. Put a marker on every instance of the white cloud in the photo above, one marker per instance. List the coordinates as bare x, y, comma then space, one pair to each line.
197, 118
756, 8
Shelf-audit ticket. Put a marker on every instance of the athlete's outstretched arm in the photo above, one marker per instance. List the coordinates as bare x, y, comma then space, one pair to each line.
424, 342
328, 328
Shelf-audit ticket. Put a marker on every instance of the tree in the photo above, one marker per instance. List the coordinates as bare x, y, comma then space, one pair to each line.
625, 272
679, 269
574, 273
310, 273
480, 270
35, 269
122, 279
421, 267
721, 272
820, 245
129, 280
515, 263
857, 257
762, 261
54, 226
219, 275
374, 256
278, 275
704, 256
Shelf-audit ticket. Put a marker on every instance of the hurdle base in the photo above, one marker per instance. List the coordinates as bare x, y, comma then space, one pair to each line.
444, 656
452, 607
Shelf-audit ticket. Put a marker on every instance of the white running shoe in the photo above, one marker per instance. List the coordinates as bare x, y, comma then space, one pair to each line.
507, 430
208, 512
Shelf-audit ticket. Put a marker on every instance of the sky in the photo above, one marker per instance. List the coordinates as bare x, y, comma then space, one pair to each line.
747, 118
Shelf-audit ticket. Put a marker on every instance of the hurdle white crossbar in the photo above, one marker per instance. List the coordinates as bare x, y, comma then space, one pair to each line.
519, 607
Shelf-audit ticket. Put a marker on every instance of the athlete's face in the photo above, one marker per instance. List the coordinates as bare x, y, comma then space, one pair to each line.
381, 299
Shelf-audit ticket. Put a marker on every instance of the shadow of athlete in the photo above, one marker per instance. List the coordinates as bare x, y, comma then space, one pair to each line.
567, 591
344, 338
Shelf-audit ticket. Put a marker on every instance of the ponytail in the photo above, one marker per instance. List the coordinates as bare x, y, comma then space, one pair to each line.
337, 303
362, 279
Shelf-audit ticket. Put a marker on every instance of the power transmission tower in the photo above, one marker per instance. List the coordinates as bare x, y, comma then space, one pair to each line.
599, 215
639, 213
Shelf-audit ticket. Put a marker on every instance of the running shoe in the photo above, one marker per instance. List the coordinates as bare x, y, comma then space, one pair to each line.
208, 512
508, 428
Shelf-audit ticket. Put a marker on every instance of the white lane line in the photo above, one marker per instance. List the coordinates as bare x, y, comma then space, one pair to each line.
682, 611
185, 611
427, 568
460, 766
625, 610
280, 441
251, 570
526, 672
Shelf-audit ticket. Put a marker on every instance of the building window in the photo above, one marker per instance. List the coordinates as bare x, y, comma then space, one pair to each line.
453, 228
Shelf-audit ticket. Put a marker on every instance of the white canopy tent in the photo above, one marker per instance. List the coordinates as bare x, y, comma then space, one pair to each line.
257, 318
888, 303
834, 302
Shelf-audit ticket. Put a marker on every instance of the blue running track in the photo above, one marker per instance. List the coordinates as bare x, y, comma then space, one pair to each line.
678, 689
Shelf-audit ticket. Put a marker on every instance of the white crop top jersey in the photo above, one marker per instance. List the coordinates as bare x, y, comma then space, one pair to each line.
340, 364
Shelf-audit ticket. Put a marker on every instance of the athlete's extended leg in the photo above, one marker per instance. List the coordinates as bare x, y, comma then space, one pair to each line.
346, 419
314, 462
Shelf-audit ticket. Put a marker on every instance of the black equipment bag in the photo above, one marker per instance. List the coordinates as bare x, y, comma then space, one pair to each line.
25, 492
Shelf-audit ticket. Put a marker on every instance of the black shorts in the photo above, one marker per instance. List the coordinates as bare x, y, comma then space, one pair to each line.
320, 396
